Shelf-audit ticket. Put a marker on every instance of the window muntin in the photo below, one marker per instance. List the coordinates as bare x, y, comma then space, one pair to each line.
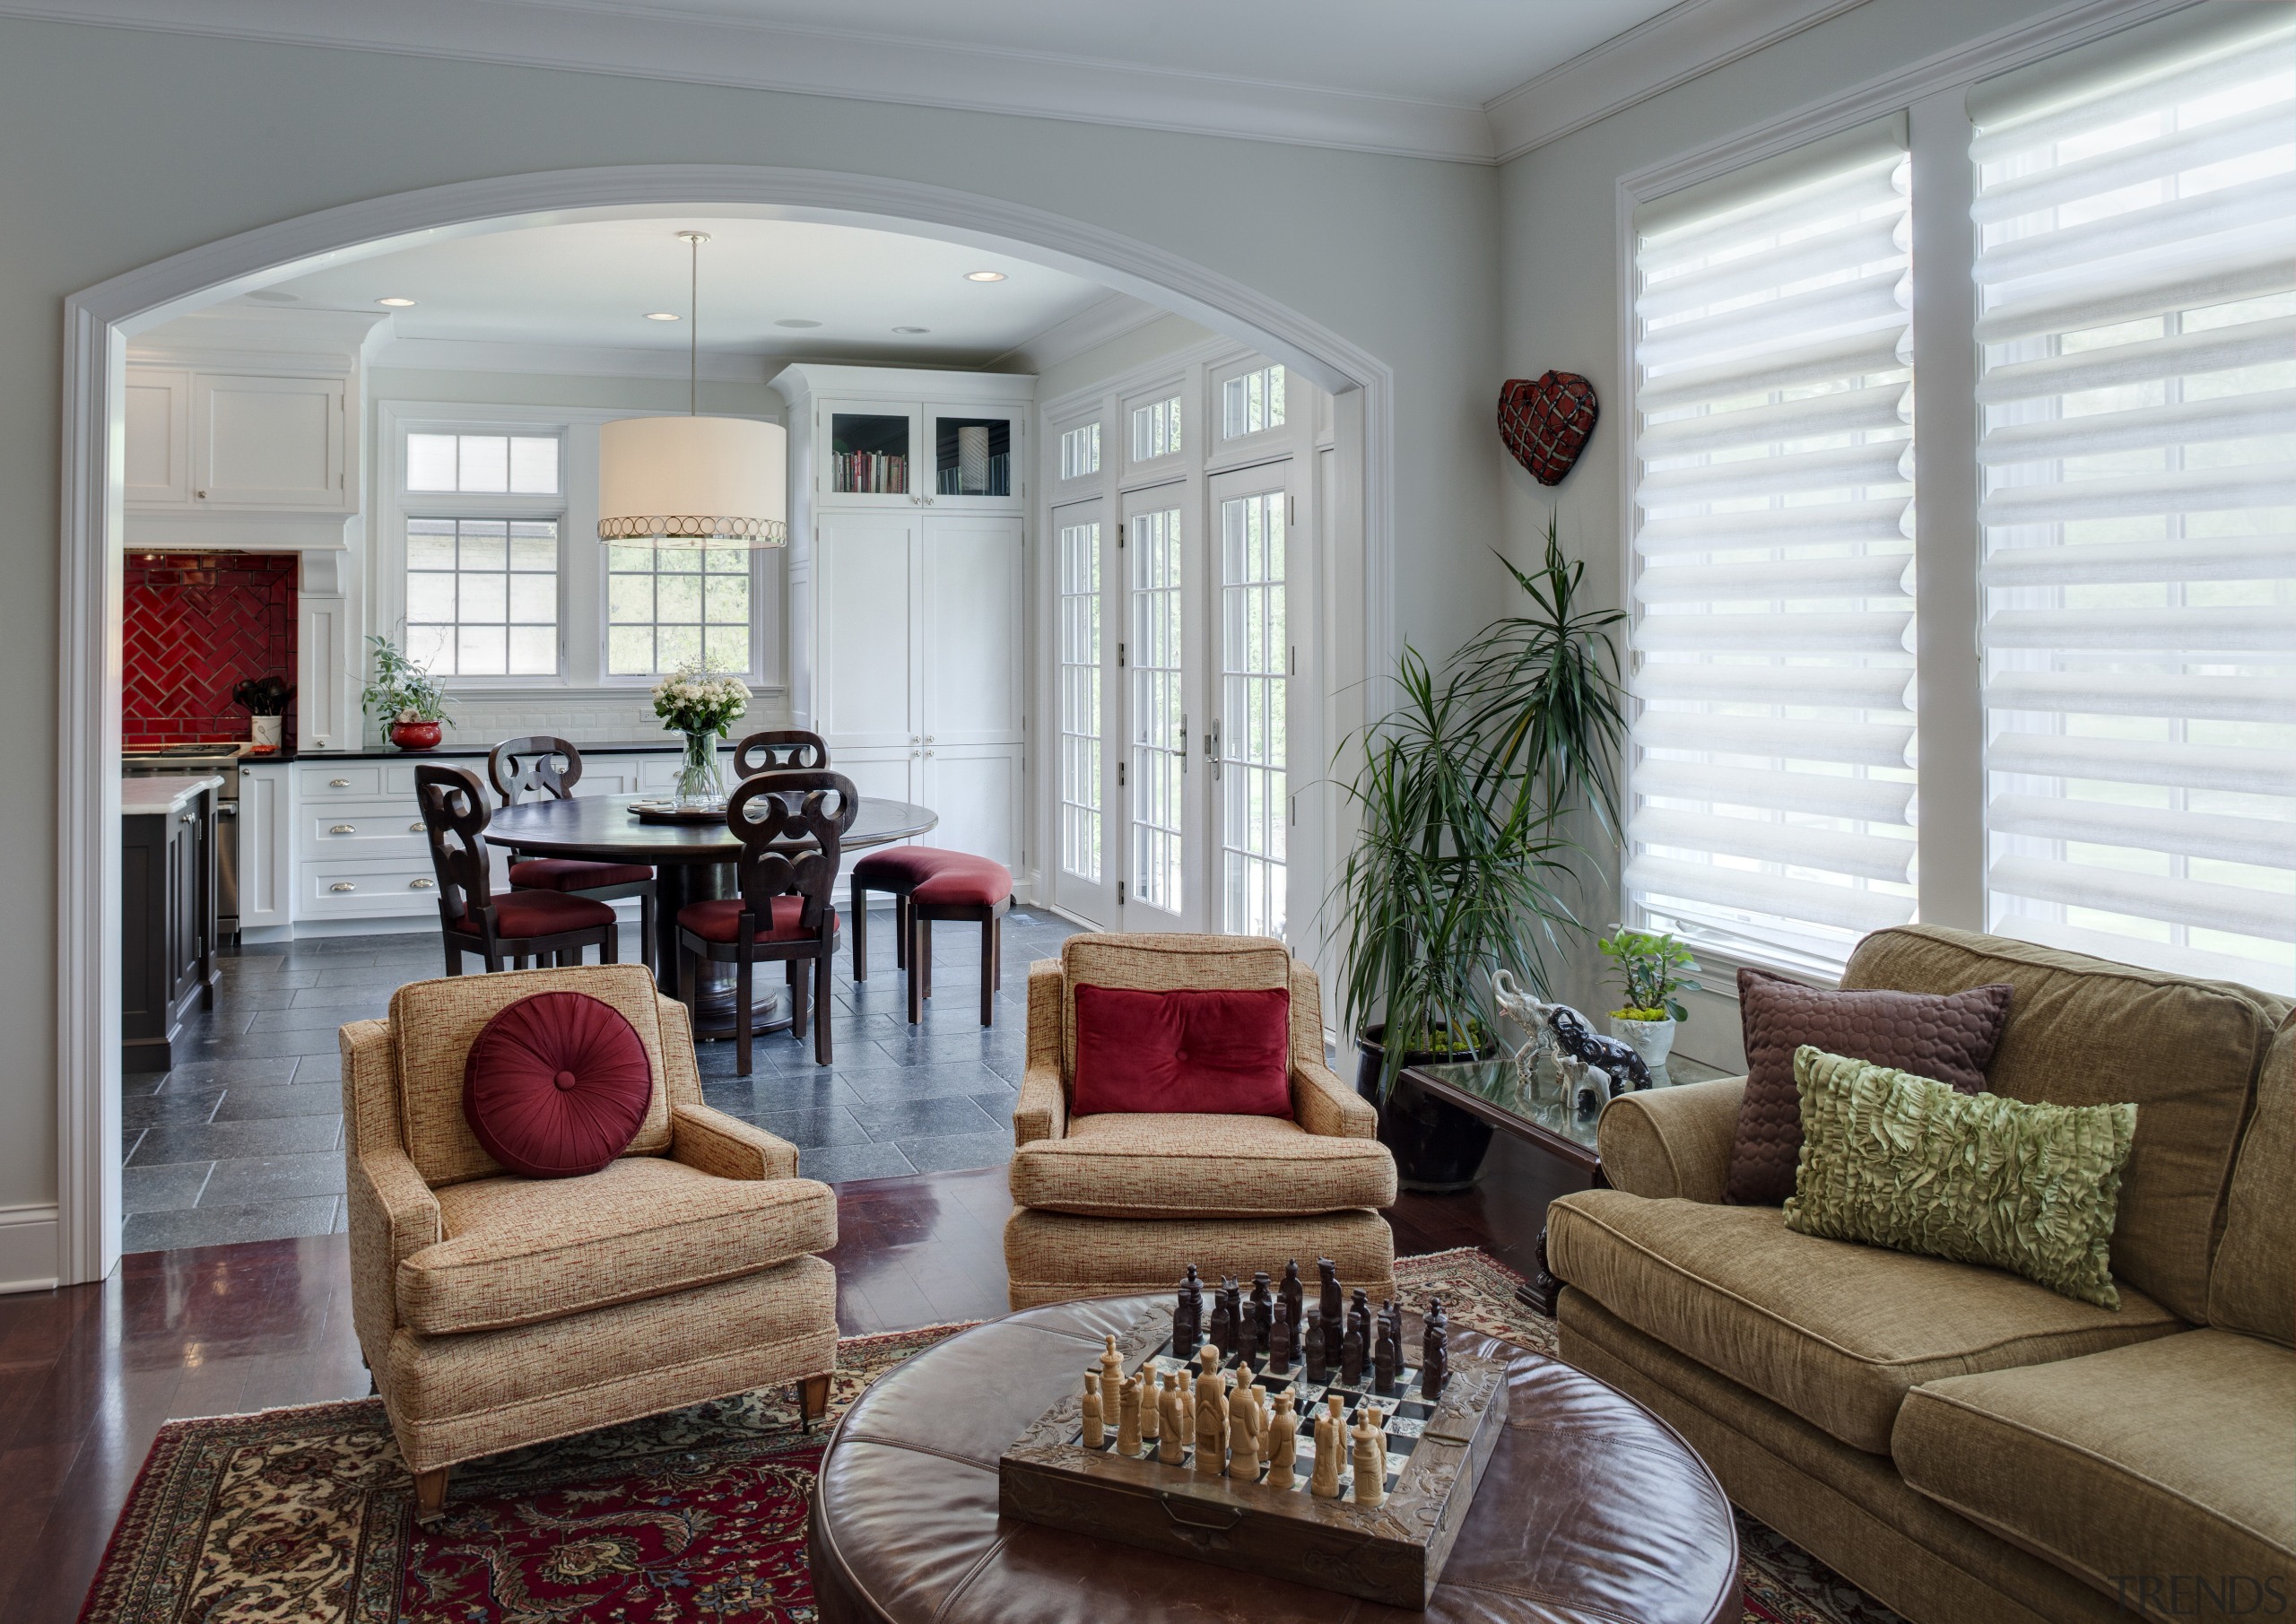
482, 596
1156, 429
1254, 653
1079, 452
1159, 716
667, 605
1251, 402
512, 464
1081, 800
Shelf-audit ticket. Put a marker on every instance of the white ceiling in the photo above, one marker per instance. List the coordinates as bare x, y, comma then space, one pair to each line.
589, 285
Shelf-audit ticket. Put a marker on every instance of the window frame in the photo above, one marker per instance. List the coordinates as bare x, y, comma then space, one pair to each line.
1137, 470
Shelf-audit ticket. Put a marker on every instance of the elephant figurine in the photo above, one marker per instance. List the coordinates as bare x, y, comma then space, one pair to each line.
1593, 1067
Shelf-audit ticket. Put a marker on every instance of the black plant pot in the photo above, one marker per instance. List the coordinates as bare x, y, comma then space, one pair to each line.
1439, 1149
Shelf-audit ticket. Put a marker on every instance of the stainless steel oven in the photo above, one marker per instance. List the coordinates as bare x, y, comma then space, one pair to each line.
202, 761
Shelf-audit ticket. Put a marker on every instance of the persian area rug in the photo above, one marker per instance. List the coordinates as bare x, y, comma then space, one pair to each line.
308, 1514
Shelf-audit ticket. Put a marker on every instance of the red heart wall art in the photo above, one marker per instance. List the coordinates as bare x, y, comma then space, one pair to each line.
1545, 422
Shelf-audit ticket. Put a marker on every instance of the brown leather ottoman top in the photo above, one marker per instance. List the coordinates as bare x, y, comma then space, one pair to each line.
1593, 1509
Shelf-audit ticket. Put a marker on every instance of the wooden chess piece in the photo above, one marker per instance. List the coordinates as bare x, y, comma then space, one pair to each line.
1093, 1433
1111, 1380
1222, 1332
1323, 1482
1371, 1460
1263, 1306
1435, 1350
1386, 1357
1231, 1305
1210, 1424
1359, 1315
1127, 1417
1151, 1409
1294, 1294
1173, 1427
1283, 1444
1188, 1316
1315, 1361
1327, 1308
1350, 1357
1245, 1426
1279, 1337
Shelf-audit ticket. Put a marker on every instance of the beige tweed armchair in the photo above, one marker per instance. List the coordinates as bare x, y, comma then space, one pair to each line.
1112, 1205
497, 1311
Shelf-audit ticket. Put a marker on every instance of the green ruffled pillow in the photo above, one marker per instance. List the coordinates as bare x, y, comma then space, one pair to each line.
1897, 1160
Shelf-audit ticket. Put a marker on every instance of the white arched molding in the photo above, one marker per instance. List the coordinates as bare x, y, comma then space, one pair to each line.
100, 320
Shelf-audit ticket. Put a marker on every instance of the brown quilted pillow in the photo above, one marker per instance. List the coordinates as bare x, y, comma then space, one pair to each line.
1948, 1037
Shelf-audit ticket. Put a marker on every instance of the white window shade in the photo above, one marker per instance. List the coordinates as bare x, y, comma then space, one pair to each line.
1772, 779
2137, 211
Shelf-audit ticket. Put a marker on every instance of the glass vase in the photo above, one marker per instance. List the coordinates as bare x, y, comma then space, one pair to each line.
701, 783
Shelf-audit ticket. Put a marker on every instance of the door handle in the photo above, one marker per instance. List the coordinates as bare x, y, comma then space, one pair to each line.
1211, 748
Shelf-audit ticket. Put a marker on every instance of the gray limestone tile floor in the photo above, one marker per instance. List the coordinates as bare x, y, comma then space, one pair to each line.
242, 1139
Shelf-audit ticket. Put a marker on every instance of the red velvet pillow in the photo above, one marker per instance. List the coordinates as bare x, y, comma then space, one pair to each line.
556, 1085
1227, 1053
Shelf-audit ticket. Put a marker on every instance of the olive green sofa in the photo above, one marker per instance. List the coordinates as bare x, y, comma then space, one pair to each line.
1966, 1445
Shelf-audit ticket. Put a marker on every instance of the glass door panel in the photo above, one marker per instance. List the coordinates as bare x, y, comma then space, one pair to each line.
1250, 756
1156, 890
868, 453
1085, 881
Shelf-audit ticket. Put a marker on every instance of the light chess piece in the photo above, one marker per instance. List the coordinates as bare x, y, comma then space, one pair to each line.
1151, 1407
1127, 1422
1111, 1381
1294, 1294
1093, 1435
1245, 1428
1283, 1444
1188, 1316
1323, 1481
1173, 1427
1371, 1460
1435, 1350
1279, 1337
1210, 1424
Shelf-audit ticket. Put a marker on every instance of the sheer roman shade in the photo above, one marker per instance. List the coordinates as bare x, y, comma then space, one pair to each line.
1772, 780
2136, 213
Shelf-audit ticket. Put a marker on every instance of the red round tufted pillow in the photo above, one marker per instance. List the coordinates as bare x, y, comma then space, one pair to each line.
556, 1085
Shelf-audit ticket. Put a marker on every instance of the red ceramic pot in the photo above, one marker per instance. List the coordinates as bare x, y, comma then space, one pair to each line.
415, 735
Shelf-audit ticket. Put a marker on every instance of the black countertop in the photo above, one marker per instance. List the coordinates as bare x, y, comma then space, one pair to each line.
672, 745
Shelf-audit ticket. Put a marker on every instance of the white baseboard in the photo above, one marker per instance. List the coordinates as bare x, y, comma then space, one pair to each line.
28, 1237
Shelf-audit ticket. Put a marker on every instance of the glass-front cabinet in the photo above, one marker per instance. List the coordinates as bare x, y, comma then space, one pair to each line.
869, 453
974, 454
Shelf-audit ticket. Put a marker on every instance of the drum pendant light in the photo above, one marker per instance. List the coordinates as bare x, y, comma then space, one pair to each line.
693, 481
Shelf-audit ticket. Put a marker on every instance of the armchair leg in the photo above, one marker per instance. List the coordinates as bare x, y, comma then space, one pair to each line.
812, 1398
431, 1487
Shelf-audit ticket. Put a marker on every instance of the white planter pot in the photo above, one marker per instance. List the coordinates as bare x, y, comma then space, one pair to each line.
267, 730
1654, 1040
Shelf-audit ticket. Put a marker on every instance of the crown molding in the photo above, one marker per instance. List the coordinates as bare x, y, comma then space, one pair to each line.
691, 49
1095, 325
582, 361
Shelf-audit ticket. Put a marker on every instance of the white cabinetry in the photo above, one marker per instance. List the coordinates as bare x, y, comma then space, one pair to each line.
201, 442
266, 846
907, 594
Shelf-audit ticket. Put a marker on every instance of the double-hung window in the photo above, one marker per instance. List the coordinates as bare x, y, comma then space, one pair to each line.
483, 516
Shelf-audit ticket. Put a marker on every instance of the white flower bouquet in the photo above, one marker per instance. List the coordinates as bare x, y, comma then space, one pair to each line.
698, 697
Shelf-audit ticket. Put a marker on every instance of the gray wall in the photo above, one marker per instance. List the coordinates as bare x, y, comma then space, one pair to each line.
123, 146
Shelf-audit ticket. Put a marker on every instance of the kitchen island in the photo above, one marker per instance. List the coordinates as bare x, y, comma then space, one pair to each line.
167, 896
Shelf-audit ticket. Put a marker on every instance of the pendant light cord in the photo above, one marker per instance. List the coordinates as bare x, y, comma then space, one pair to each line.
693, 331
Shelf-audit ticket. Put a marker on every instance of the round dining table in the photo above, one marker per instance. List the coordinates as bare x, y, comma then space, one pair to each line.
691, 862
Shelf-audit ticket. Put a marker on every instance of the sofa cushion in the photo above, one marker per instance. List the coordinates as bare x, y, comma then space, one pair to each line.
2171, 1459
1155, 962
2087, 1031
1186, 1164
2252, 1287
1193, 1049
518, 1251
1834, 1332
1948, 1038
555, 1085
434, 1022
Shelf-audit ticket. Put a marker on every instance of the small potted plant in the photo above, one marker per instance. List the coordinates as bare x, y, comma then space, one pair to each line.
404, 697
1652, 967
700, 700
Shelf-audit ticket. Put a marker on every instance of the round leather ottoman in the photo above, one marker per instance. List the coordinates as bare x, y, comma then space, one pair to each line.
1593, 1509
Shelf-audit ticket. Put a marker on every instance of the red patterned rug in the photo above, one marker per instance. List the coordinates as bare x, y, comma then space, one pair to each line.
694, 1517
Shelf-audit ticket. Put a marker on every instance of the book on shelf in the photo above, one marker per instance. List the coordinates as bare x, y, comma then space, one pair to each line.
871, 474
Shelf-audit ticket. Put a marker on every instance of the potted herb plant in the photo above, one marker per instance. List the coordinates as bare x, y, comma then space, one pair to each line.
700, 700
1652, 966
404, 697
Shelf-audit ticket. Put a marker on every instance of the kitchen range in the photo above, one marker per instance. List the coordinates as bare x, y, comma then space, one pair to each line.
217, 761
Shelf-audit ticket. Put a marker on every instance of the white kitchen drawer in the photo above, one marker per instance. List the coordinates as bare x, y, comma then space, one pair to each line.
343, 829
372, 889
344, 781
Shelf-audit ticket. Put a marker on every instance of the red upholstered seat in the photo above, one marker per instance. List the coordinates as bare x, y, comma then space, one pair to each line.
565, 874
518, 913
721, 920
898, 868
964, 881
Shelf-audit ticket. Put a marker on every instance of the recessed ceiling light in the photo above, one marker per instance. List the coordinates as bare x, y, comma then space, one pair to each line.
796, 321
396, 303
912, 329
984, 276
663, 316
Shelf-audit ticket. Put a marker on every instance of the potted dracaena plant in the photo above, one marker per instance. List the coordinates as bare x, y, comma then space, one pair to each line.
1465, 794
1652, 966
404, 697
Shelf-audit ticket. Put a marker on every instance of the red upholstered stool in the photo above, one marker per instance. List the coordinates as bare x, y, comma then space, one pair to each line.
900, 870
963, 888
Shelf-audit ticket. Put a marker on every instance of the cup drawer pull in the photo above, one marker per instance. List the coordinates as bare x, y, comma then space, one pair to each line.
418, 828
342, 885
338, 783
422, 885
344, 829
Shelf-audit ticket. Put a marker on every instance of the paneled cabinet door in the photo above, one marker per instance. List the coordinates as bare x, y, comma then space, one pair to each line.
265, 847
867, 677
268, 442
158, 471
976, 790
972, 457
969, 613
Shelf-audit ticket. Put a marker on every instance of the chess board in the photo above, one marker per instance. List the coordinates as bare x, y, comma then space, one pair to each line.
1437, 1447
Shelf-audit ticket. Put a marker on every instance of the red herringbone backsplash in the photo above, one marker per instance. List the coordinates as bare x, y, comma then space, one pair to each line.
197, 623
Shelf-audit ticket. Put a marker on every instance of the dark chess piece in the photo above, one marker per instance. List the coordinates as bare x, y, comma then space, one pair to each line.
1327, 1308
1279, 1337
1350, 1356
1231, 1305
1315, 1359
1294, 1293
1359, 1318
1386, 1351
1435, 1350
1187, 1317
1222, 1333
1261, 1303
1251, 1334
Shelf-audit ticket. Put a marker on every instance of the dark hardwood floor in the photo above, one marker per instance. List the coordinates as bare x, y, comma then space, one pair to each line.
88, 1373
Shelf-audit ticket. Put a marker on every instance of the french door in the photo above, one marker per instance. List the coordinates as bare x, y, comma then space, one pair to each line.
1174, 661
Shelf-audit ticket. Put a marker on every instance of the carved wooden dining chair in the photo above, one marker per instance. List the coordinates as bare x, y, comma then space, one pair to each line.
780, 749
539, 765
550, 928
791, 826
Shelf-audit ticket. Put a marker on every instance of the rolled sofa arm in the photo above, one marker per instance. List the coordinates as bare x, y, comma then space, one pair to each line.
1672, 1141
725, 1147
1043, 1110
1322, 1103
